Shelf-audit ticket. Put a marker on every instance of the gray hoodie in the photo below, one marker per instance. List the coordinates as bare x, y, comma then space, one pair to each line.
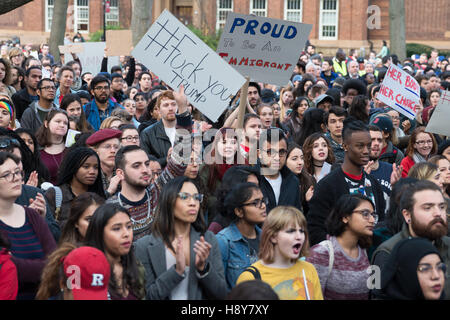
30, 117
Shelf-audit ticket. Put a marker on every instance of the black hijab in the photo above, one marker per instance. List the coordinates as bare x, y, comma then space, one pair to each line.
399, 279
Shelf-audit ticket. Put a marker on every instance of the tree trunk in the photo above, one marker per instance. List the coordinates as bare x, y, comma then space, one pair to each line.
58, 27
141, 18
10, 5
397, 28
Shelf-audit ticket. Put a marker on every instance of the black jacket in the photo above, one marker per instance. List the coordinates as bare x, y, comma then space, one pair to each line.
326, 193
21, 102
155, 141
289, 195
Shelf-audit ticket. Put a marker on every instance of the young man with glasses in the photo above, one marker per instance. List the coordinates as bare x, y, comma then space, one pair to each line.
117, 87
101, 105
33, 117
278, 184
349, 179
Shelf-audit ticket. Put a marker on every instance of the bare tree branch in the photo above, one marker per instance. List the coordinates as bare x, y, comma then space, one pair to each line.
10, 5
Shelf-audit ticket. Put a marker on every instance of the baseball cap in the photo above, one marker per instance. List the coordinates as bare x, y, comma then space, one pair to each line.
323, 97
384, 123
102, 135
268, 96
94, 271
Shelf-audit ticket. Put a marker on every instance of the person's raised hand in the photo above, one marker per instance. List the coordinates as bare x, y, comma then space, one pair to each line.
181, 99
33, 179
39, 205
180, 259
201, 249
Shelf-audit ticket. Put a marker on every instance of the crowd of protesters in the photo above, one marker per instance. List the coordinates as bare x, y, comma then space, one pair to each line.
152, 200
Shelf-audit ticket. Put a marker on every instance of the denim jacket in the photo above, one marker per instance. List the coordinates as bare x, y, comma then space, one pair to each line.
236, 253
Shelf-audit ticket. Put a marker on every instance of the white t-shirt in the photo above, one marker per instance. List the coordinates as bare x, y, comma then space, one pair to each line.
276, 186
171, 132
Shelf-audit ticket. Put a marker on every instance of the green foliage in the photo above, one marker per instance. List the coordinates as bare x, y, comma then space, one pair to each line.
417, 48
211, 41
97, 35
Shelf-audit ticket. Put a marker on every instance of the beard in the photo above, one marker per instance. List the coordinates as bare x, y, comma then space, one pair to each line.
432, 231
137, 184
101, 99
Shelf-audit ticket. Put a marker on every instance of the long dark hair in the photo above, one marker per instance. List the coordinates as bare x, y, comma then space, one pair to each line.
82, 124
308, 147
95, 238
237, 197
344, 208
72, 162
357, 108
312, 122
36, 155
164, 225
394, 217
77, 208
305, 179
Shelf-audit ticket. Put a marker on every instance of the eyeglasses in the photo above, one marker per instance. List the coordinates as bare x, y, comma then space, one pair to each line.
273, 152
110, 146
106, 88
423, 142
48, 88
8, 143
366, 214
277, 108
426, 268
131, 138
257, 203
10, 176
186, 196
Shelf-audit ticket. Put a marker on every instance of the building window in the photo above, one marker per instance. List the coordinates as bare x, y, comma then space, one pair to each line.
112, 17
48, 14
258, 7
328, 24
82, 16
223, 7
293, 10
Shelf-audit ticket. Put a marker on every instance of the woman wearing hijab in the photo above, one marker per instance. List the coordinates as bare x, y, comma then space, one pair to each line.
415, 271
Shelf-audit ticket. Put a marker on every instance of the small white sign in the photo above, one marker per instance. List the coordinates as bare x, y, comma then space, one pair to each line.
92, 56
70, 138
438, 122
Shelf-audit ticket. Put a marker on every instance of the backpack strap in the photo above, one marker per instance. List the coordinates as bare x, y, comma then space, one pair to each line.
254, 271
58, 201
329, 245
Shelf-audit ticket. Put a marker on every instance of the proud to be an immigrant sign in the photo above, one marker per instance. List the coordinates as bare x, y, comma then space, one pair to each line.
171, 51
263, 49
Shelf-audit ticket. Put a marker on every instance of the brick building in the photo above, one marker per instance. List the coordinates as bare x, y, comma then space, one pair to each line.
32, 22
336, 23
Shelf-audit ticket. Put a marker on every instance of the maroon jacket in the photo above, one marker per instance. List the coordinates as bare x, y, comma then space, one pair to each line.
30, 270
8, 277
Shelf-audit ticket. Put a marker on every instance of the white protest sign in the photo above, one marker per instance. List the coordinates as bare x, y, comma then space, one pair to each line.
264, 49
438, 122
70, 138
92, 56
400, 91
177, 56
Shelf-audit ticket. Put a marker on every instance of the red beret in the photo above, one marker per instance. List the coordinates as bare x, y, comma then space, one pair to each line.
102, 135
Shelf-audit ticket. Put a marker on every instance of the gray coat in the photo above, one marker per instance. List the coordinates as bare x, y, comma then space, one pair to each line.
159, 282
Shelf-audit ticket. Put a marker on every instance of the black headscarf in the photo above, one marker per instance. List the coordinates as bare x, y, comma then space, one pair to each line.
399, 277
